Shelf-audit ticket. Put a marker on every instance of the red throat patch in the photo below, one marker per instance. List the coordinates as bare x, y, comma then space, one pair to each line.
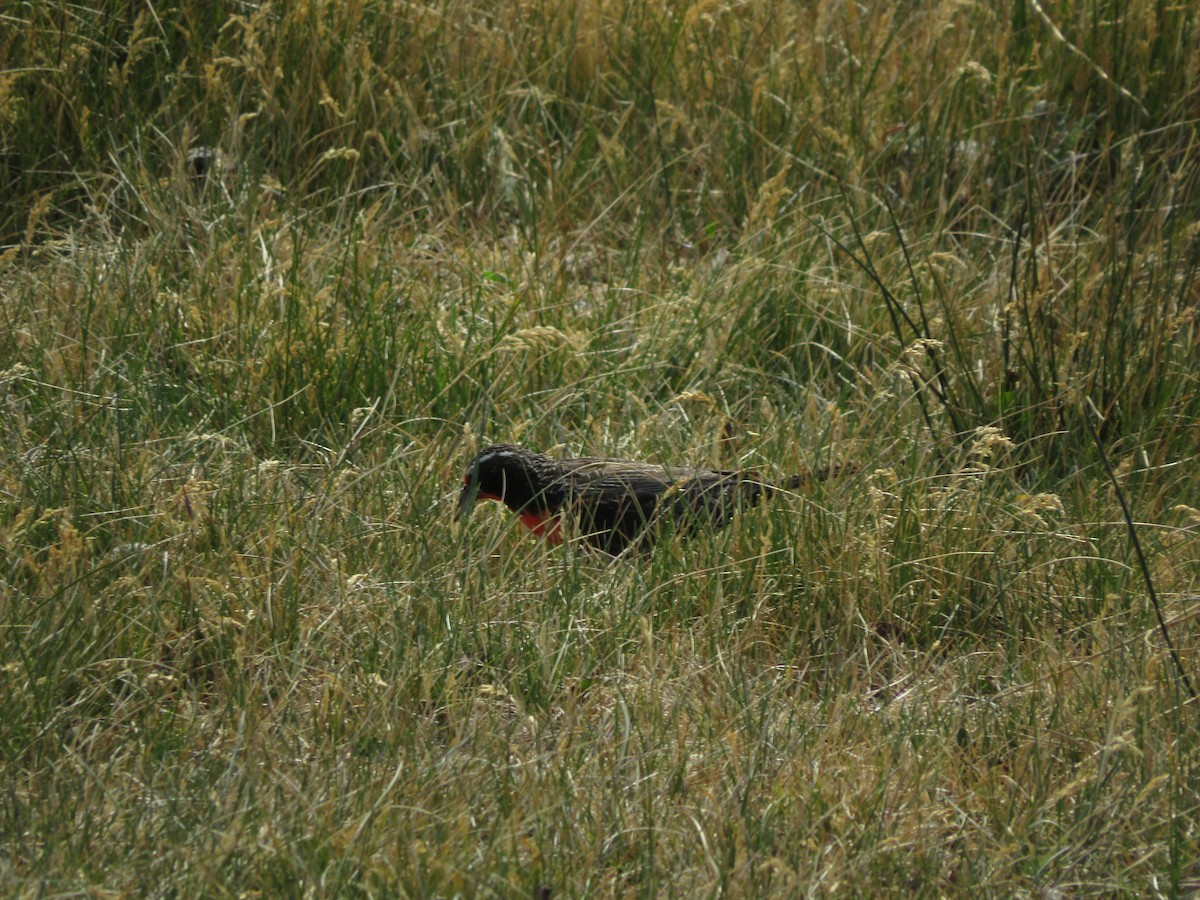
543, 525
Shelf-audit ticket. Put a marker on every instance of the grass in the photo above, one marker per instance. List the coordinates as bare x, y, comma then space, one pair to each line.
245, 649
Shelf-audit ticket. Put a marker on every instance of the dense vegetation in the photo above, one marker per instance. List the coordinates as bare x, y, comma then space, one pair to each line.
243, 646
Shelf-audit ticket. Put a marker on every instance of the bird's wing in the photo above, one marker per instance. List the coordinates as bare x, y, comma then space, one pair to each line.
601, 467
615, 508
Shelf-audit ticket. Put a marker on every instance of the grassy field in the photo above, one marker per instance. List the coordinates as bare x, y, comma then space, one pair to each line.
246, 651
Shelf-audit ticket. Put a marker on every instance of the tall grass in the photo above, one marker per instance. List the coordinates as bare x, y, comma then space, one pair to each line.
246, 649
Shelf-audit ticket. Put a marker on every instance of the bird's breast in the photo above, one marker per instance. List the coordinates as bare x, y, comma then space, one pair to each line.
543, 524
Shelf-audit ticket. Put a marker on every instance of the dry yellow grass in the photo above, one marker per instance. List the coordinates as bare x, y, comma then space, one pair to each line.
245, 650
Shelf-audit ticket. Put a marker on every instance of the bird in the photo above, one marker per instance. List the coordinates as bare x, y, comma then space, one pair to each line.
611, 504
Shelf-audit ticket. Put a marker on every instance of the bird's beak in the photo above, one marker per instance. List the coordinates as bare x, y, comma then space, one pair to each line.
466, 499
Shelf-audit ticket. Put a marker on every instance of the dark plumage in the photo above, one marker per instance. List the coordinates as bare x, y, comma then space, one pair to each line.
608, 503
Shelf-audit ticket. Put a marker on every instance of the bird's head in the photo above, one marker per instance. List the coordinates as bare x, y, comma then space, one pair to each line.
501, 472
